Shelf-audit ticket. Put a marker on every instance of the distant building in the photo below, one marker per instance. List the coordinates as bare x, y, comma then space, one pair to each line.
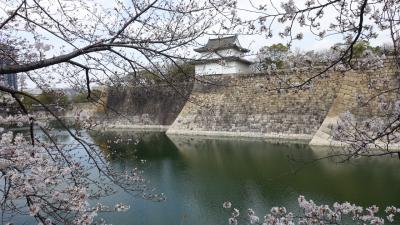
9, 80
33, 91
7, 54
222, 56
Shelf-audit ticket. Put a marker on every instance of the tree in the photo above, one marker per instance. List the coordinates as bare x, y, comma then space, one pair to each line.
82, 96
53, 98
311, 213
180, 72
362, 46
171, 73
82, 43
275, 54
359, 48
356, 22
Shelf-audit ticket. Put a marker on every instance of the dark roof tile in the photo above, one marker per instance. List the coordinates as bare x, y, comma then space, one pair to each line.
222, 43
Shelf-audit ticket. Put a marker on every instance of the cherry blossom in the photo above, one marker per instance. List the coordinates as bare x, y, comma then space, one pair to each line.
311, 213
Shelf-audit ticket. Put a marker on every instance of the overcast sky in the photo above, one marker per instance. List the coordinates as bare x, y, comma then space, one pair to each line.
255, 42
309, 42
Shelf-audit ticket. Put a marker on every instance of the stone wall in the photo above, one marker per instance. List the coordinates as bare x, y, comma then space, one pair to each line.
146, 105
360, 94
254, 105
250, 105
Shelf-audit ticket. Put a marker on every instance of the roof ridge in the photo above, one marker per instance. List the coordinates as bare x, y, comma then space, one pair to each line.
218, 38
222, 43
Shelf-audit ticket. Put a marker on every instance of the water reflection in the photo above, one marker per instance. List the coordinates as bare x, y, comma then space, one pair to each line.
198, 174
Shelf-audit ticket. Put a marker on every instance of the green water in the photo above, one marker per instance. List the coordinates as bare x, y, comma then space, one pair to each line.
197, 175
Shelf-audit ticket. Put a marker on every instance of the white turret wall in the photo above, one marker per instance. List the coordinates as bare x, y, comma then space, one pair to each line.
233, 67
221, 54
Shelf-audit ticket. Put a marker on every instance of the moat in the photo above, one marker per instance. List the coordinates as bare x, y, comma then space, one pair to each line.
197, 175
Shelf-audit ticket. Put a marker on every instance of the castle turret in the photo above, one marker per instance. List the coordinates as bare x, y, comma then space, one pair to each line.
222, 56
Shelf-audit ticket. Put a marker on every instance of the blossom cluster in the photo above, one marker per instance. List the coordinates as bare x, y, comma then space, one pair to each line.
52, 182
310, 213
369, 136
31, 176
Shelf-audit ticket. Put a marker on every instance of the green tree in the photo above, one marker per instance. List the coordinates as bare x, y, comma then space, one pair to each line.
81, 97
54, 97
275, 54
180, 72
174, 72
48, 98
359, 48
